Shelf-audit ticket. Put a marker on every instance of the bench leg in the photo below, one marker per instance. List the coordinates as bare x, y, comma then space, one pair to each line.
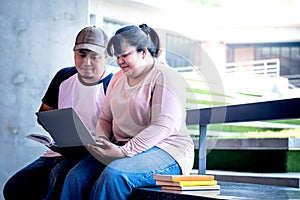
202, 150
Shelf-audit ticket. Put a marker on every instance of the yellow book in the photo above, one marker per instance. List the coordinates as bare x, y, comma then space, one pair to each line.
187, 183
176, 178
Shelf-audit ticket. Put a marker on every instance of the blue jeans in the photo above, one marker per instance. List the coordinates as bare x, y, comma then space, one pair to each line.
57, 177
31, 182
90, 179
42, 179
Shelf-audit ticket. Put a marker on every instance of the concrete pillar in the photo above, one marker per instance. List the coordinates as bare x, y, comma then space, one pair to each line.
36, 39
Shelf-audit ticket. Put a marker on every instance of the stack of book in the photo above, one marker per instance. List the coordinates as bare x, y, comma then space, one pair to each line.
186, 182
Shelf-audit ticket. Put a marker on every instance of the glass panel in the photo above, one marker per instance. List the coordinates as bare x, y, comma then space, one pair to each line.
111, 26
285, 52
295, 60
178, 50
92, 19
295, 53
275, 51
265, 51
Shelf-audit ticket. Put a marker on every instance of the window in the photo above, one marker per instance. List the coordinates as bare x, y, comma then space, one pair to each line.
288, 54
92, 19
110, 27
178, 50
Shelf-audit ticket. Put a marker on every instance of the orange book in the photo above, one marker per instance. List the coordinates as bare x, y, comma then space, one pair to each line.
176, 178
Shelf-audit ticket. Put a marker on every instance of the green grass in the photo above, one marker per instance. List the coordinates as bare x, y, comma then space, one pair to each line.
201, 91
204, 102
285, 133
247, 94
235, 131
250, 132
291, 121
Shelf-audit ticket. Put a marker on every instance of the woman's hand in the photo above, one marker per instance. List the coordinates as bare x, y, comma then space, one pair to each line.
110, 150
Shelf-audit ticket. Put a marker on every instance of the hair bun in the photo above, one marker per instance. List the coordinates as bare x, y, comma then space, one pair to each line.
145, 28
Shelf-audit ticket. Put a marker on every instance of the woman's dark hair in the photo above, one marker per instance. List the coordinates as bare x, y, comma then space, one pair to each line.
141, 37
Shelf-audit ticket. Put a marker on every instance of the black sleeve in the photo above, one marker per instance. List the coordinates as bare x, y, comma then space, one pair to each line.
51, 96
106, 82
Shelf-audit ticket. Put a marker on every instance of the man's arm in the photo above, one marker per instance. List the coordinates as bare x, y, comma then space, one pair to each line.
44, 107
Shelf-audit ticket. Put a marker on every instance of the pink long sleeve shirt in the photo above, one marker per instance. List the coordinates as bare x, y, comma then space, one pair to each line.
151, 113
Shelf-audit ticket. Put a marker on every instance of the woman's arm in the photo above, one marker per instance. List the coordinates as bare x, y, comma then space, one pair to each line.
166, 116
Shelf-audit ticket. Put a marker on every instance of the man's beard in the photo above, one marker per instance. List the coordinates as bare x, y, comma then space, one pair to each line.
85, 72
85, 76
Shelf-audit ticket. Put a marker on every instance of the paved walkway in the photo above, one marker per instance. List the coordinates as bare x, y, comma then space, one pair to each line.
289, 179
228, 190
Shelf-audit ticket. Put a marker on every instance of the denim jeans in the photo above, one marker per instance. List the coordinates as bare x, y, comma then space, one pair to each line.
31, 181
90, 179
57, 177
42, 179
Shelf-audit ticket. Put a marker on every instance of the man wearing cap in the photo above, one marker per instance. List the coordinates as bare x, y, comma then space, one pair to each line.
82, 87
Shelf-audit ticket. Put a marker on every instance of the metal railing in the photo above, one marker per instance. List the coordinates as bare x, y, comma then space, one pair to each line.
270, 67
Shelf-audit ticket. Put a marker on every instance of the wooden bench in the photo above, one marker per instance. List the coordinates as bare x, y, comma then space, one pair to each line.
259, 111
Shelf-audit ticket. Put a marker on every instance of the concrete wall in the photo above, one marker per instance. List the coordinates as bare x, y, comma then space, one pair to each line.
37, 38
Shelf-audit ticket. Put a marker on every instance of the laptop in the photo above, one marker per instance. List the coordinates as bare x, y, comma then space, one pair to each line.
66, 128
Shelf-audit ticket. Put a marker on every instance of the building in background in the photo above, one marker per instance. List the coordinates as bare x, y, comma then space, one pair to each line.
240, 30
247, 34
